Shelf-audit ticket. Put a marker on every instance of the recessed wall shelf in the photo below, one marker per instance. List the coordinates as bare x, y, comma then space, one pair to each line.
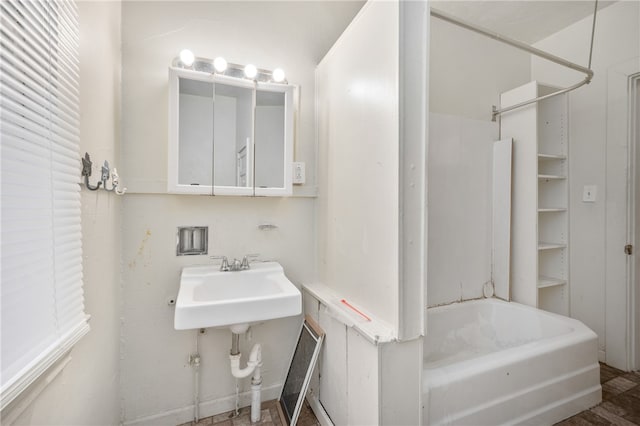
551, 177
550, 246
547, 157
540, 198
544, 281
192, 240
551, 210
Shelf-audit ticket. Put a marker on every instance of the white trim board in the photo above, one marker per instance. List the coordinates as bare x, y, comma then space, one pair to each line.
620, 309
209, 408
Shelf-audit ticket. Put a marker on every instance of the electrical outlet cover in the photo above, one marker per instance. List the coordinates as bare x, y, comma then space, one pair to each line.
298, 173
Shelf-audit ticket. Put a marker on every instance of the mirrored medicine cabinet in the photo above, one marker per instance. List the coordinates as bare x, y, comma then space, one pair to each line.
228, 135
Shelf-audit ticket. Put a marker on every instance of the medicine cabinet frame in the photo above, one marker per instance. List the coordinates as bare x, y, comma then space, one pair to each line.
173, 157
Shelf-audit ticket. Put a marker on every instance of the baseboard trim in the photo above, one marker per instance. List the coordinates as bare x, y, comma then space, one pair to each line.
207, 408
318, 410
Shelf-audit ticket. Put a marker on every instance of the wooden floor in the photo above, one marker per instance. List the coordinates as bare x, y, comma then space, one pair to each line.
269, 417
620, 401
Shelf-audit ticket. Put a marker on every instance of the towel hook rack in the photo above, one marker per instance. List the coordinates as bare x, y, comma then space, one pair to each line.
86, 172
106, 173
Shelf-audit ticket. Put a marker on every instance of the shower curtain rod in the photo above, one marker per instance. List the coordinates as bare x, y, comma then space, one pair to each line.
534, 51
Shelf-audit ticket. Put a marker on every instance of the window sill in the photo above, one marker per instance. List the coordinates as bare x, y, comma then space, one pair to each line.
19, 394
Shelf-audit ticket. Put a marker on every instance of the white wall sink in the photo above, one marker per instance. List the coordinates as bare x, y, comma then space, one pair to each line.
211, 298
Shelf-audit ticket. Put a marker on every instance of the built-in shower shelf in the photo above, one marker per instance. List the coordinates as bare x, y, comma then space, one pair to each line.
549, 246
540, 197
552, 209
545, 157
549, 177
550, 281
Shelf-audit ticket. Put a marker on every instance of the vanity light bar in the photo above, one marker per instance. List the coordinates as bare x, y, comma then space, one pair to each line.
220, 66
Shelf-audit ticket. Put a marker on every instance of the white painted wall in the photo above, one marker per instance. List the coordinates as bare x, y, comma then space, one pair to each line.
371, 172
617, 41
459, 175
467, 73
157, 383
358, 123
87, 390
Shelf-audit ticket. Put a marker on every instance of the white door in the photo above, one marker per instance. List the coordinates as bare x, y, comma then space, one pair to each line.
622, 301
634, 197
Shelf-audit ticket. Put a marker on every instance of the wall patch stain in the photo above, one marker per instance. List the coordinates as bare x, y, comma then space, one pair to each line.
141, 252
144, 242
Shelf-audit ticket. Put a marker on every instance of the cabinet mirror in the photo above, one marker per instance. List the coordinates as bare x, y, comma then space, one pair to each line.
229, 136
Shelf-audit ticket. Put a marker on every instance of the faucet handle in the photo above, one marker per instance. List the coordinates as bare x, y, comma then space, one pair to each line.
245, 260
224, 266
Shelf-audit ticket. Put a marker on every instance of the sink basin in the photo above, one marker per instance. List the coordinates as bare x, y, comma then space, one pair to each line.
211, 298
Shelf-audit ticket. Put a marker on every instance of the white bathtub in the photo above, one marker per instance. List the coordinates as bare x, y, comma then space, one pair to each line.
489, 362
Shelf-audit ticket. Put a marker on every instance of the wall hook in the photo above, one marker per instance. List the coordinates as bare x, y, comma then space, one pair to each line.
106, 173
105, 176
116, 181
86, 172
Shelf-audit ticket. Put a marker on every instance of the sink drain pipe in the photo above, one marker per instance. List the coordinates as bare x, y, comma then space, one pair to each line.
194, 361
253, 367
235, 343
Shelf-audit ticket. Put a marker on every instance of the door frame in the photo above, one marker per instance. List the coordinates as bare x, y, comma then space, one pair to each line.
621, 298
622, 332
633, 221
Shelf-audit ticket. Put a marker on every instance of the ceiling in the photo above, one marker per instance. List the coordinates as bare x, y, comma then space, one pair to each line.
525, 20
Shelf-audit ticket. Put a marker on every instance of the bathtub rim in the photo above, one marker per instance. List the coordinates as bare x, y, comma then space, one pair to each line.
457, 370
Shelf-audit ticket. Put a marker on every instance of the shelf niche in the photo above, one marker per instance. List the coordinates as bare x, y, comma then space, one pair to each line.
540, 218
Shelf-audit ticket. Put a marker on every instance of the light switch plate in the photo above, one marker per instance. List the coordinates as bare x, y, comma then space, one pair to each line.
298, 173
589, 194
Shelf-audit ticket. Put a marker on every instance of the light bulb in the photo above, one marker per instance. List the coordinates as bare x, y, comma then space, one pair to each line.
187, 57
220, 64
278, 75
250, 71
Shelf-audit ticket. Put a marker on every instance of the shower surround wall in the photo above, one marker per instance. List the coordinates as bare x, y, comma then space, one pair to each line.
157, 382
461, 137
460, 158
468, 71
596, 234
87, 391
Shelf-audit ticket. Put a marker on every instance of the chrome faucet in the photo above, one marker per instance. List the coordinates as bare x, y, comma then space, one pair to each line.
245, 261
245, 264
224, 265
235, 265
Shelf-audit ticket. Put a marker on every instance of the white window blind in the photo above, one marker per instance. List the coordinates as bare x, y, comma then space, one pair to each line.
42, 300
